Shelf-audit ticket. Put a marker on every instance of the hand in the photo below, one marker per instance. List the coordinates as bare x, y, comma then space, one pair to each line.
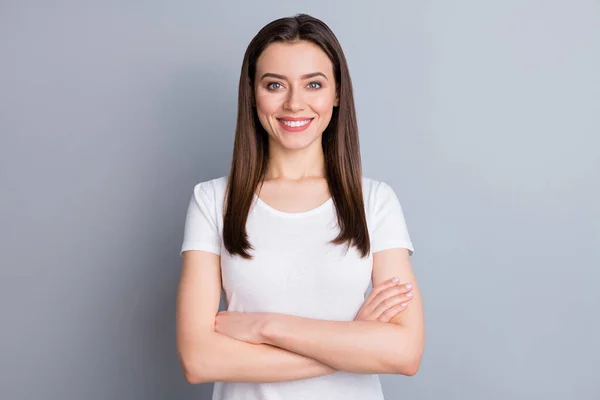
385, 301
246, 327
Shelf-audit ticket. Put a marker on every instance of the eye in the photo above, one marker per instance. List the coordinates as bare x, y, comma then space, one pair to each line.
271, 87
314, 85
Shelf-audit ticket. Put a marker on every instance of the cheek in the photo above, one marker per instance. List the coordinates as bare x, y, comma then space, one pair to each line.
265, 107
267, 104
323, 104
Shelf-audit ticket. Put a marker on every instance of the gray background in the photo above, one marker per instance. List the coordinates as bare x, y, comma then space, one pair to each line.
484, 116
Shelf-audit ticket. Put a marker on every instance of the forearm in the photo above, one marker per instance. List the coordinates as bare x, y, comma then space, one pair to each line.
222, 358
352, 346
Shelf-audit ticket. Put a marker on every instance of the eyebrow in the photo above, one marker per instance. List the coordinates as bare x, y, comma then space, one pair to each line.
305, 76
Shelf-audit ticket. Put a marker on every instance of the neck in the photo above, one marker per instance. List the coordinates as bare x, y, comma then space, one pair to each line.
301, 164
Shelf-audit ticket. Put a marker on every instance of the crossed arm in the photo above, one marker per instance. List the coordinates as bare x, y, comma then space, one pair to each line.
288, 347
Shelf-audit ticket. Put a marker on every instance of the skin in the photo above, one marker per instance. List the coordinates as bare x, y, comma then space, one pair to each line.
383, 303
294, 80
295, 178
387, 335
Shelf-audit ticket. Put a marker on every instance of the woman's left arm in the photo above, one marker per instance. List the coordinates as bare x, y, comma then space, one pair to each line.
368, 347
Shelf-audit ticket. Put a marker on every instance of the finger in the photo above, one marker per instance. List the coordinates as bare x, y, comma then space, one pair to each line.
389, 314
391, 292
382, 286
390, 302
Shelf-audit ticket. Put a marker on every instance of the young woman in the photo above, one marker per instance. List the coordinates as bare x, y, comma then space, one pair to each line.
294, 235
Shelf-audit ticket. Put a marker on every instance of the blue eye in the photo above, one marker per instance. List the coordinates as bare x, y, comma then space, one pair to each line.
270, 85
312, 86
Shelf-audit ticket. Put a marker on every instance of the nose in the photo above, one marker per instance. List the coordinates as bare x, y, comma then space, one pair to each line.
295, 100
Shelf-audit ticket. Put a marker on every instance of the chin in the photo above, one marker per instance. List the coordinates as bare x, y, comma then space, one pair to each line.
294, 145
299, 142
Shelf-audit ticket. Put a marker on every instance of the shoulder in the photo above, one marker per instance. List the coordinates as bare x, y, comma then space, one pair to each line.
212, 190
214, 186
385, 217
376, 192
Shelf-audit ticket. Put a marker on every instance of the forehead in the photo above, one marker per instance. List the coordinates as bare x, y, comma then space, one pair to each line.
293, 60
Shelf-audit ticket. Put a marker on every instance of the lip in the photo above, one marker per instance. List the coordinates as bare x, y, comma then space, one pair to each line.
294, 128
294, 118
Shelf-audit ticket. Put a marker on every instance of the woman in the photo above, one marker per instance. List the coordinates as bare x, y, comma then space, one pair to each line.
294, 235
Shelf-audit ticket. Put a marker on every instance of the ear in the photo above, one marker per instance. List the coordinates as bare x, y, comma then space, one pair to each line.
336, 102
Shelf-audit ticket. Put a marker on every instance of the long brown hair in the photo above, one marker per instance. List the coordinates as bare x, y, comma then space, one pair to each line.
340, 141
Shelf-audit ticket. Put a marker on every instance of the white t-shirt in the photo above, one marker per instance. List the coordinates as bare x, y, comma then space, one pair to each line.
295, 270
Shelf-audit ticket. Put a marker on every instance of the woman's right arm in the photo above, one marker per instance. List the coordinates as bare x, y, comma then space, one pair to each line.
207, 356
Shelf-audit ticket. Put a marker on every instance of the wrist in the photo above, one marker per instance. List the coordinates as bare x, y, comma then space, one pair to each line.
268, 328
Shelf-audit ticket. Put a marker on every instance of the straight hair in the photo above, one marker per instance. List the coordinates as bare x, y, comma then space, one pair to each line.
339, 140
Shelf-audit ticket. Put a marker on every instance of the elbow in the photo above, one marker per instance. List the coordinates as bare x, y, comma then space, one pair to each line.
196, 359
192, 376
404, 364
411, 368
195, 375
195, 370
407, 367
191, 372
196, 379
406, 360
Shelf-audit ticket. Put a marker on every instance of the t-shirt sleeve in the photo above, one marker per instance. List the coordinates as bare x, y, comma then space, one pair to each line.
201, 229
388, 223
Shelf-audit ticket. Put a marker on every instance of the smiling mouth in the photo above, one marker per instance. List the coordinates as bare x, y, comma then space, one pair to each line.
295, 126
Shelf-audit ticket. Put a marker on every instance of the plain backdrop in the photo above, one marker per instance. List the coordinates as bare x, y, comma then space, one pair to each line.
484, 116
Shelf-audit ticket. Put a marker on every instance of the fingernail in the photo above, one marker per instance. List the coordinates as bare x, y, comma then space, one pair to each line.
408, 285
409, 294
403, 305
395, 279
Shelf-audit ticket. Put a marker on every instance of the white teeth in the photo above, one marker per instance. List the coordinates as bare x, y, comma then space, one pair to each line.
295, 123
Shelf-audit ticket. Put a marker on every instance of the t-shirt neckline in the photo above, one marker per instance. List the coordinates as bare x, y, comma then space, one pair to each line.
300, 214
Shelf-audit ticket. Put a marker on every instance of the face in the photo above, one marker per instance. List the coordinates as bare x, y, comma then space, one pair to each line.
295, 93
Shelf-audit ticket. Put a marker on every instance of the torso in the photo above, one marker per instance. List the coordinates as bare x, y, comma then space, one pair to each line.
296, 271
294, 196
